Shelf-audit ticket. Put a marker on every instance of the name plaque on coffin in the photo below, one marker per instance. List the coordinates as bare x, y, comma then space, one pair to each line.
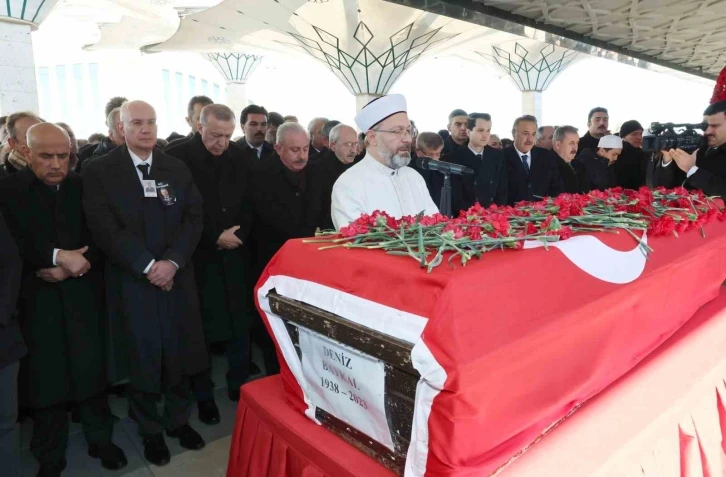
361, 382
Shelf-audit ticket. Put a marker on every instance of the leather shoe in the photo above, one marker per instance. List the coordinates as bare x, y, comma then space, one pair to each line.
52, 470
233, 394
155, 450
188, 437
112, 456
208, 412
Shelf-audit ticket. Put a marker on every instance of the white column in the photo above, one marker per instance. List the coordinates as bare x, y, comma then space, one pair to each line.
532, 104
363, 99
236, 96
18, 89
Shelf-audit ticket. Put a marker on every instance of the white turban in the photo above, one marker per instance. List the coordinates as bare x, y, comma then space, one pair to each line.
610, 142
380, 109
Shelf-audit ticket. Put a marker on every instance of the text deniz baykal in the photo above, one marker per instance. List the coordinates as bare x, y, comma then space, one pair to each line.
337, 361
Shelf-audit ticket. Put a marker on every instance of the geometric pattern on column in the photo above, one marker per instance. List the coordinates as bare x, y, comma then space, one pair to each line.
33, 11
364, 71
235, 67
531, 71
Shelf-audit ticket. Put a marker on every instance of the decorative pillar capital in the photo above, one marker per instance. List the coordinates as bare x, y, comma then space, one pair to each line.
531, 70
364, 63
31, 12
235, 67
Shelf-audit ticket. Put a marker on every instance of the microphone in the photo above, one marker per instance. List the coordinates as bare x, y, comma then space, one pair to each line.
428, 164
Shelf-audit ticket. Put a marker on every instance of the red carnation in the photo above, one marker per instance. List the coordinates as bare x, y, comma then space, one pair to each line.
719, 91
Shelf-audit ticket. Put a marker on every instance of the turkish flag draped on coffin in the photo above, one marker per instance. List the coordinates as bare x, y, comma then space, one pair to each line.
511, 343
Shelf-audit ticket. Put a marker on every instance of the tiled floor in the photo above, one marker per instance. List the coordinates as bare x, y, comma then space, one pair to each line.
208, 462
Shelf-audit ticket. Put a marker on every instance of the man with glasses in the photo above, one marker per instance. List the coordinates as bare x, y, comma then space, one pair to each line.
381, 180
338, 157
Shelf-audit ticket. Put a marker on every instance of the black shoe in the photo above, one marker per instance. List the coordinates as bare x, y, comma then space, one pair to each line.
254, 369
112, 456
155, 450
52, 470
208, 412
188, 437
233, 394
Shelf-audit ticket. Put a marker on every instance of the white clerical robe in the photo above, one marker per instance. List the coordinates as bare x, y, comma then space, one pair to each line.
370, 186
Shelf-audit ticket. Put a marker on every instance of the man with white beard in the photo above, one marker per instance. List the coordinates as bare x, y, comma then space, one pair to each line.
381, 180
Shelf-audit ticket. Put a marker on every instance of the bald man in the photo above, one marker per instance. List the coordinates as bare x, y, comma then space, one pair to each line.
148, 237
59, 304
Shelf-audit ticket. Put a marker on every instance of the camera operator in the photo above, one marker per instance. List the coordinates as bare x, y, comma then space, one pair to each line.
704, 169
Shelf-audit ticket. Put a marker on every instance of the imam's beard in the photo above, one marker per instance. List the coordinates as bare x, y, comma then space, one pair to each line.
397, 160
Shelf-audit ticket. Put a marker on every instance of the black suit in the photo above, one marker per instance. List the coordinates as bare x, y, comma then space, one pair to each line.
178, 140
267, 149
328, 164
450, 146
543, 179
164, 329
223, 276
12, 348
487, 186
587, 142
62, 322
574, 180
710, 176
630, 168
595, 169
286, 205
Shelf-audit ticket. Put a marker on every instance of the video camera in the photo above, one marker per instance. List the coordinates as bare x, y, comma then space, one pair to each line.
664, 137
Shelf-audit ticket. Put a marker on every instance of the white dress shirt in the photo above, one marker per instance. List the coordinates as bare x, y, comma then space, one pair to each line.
690, 172
370, 186
137, 162
480, 153
528, 154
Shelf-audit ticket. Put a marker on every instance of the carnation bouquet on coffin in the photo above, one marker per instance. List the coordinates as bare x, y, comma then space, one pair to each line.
427, 239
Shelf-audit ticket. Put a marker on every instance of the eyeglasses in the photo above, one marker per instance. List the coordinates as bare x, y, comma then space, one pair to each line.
397, 132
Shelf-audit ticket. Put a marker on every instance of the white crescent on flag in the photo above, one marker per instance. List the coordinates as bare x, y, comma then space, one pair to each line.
599, 260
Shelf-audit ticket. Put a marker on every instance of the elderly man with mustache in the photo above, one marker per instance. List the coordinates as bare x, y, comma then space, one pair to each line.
564, 150
531, 171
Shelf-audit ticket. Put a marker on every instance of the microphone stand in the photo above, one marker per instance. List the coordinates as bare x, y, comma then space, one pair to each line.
445, 202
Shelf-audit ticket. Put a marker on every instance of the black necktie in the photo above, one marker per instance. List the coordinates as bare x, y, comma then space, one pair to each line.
478, 157
144, 168
524, 161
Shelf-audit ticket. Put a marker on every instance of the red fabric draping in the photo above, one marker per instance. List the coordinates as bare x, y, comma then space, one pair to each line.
524, 337
271, 439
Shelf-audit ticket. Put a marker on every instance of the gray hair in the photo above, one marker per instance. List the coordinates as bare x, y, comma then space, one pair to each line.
286, 129
220, 112
328, 126
334, 135
527, 118
14, 118
541, 129
429, 140
562, 131
312, 122
113, 118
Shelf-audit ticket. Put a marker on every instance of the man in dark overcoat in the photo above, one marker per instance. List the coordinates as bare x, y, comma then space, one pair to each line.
145, 214
222, 173
59, 304
288, 198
